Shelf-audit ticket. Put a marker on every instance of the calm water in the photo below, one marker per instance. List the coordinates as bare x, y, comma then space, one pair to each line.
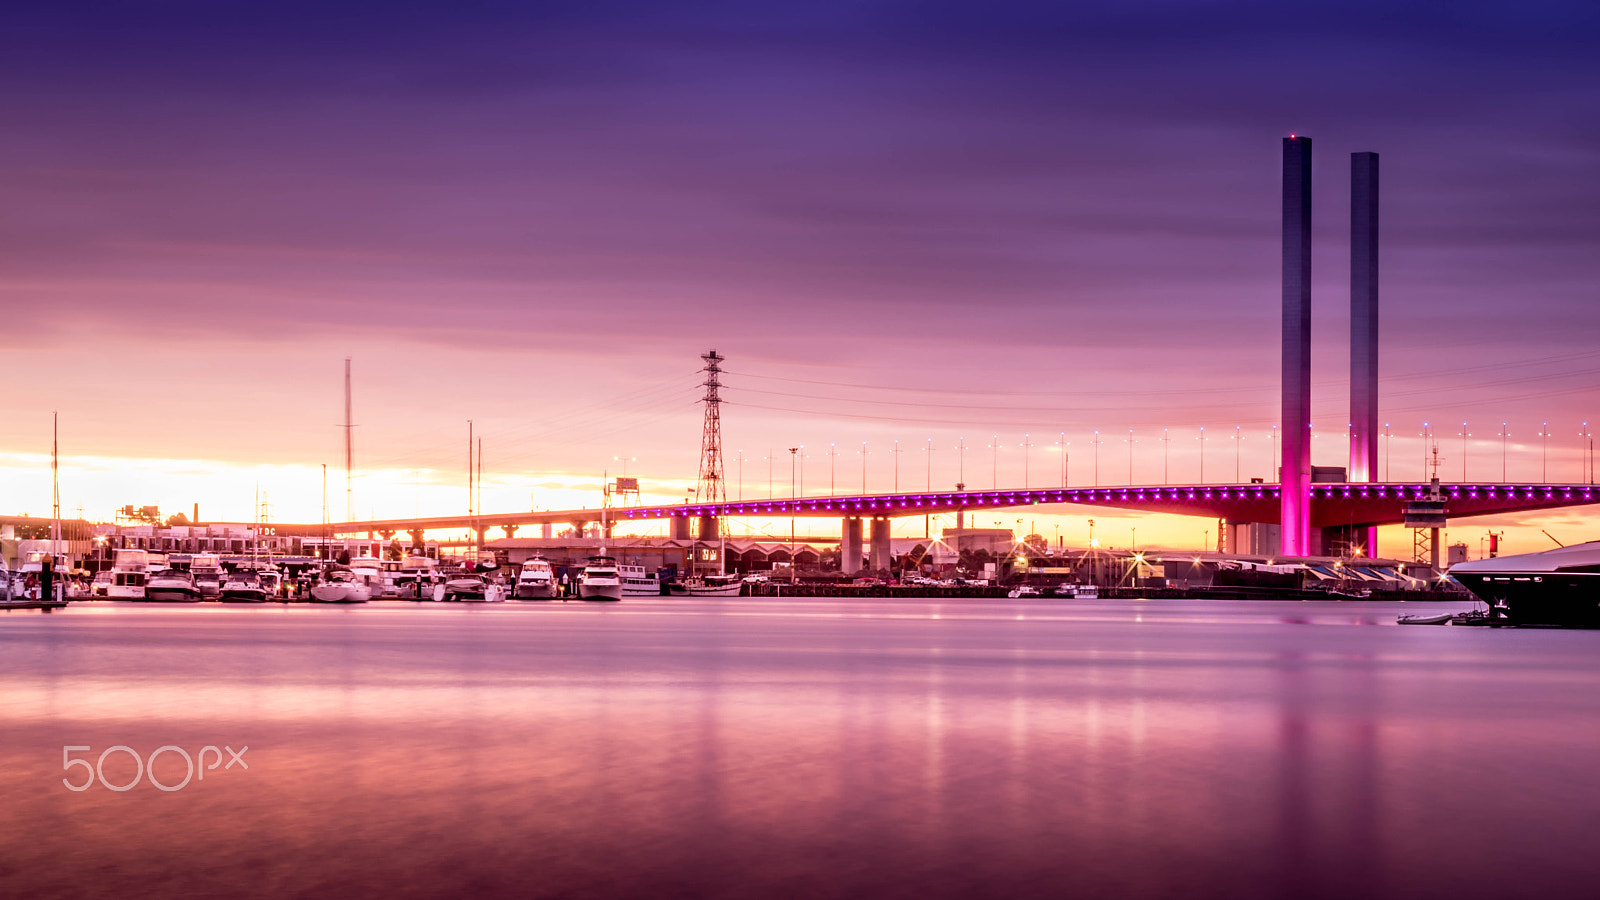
808, 747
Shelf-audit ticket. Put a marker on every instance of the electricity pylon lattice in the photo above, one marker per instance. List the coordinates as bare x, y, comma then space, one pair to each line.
711, 488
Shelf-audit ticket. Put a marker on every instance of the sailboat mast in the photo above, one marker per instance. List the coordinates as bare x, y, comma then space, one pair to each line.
55, 484
349, 448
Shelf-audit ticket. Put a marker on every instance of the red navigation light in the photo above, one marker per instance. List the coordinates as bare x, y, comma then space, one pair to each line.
1291, 135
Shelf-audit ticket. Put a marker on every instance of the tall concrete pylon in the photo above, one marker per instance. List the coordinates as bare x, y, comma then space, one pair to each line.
1294, 474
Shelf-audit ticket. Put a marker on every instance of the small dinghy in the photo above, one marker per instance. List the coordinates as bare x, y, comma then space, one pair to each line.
1439, 619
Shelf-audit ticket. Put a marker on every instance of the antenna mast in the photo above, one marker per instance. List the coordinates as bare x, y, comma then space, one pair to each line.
710, 488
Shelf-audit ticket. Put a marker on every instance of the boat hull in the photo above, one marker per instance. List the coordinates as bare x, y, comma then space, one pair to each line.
1538, 597
340, 592
599, 591
172, 595
543, 591
243, 595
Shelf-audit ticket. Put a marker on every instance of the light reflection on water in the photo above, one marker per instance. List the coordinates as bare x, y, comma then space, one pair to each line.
802, 748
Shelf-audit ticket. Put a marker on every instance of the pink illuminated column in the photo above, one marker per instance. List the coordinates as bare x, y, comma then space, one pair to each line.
1294, 473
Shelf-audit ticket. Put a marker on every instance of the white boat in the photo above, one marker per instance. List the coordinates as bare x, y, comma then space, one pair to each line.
1023, 592
243, 586
709, 586
415, 578
369, 571
207, 571
172, 586
636, 582
1078, 591
155, 562
470, 588
1552, 587
100, 584
341, 586
536, 580
129, 572
600, 580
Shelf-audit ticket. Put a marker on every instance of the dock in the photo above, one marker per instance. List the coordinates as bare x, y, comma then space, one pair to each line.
45, 605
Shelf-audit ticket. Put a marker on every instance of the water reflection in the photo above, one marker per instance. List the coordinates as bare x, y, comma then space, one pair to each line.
802, 748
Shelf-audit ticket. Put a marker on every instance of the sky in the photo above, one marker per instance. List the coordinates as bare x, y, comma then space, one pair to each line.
996, 225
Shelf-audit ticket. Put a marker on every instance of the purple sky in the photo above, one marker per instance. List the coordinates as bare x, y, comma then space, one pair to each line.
539, 219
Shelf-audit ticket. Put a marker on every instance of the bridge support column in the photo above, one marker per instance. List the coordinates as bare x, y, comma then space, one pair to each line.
416, 537
880, 542
708, 528
510, 530
850, 545
1294, 474
679, 528
481, 531
387, 535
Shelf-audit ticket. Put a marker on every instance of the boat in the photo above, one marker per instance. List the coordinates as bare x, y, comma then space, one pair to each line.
415, 578
129, 571
536, 580
1551, 587
709, 586
600, 580
1439, 619
341, 585
1078, 591
369, 570
1023, 592
243, 586
207, 571
471, 588
172, 586
100, 583
636, 582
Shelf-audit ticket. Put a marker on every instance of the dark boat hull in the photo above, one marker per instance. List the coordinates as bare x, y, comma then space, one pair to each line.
1538, 598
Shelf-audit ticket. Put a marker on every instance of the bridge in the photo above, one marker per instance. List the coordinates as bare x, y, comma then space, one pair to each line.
1339, 511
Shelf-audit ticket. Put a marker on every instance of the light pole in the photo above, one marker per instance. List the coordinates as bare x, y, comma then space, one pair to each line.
863, 467
833, 454
1130, 456
994, 462
896, 452
961, 460
1238, 438
1386, 438
1203, 456
1276, 462
929, 450
1061, 441
1503, 435
740, 489
1427, 441
1096, 443
794, 455
1464, 436
1027, 444
1166, 447
1544, 452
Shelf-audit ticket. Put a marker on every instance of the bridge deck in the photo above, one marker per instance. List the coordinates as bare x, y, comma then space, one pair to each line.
1331, 504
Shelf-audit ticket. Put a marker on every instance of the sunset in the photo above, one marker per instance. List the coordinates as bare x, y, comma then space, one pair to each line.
991, 418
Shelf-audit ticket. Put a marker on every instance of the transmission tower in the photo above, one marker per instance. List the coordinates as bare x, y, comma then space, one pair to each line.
711, 488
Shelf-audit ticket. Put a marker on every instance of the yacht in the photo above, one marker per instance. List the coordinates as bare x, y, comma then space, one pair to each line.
243, 586
415, 578
129, 571
370, 571
207, 571
33, 566
536, 581
341, 586
709, 586
173, 586
600, 580
1552, 587
471, 588
636, 582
